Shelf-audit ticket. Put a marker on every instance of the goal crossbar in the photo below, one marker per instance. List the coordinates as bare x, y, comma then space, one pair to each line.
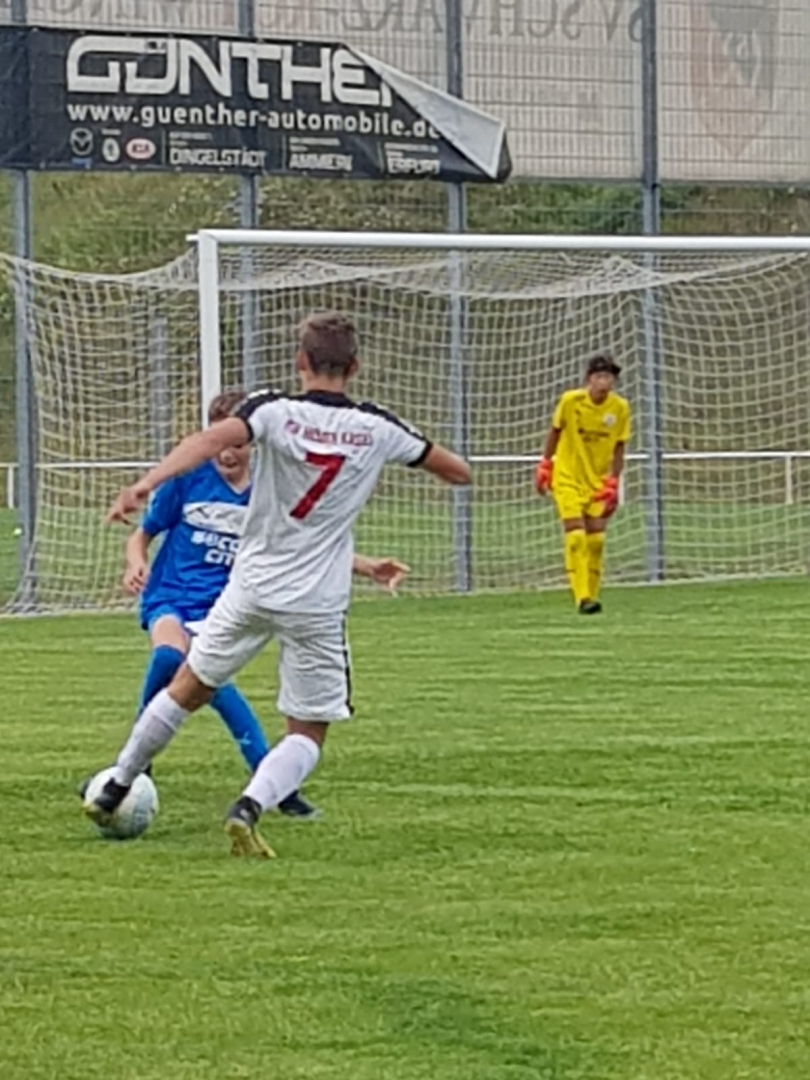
308, 238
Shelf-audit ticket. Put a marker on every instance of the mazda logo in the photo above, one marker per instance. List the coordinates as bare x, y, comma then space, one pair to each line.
81, 142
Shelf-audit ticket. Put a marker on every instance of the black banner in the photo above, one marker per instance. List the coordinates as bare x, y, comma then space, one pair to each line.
73, 100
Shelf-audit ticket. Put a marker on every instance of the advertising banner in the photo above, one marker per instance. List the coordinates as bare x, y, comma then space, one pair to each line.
75, 100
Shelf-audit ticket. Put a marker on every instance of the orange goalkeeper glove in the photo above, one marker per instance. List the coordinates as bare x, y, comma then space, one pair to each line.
543, 475
609, 495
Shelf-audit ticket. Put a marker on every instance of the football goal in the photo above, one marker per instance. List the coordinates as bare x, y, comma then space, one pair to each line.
470, 337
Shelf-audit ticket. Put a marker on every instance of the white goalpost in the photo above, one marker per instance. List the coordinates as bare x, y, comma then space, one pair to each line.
472, 338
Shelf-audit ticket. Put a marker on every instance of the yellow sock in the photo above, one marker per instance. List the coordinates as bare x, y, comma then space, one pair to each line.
596, 558
576, 564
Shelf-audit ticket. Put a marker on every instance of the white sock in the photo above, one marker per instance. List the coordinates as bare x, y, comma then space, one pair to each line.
154, 729
283, 770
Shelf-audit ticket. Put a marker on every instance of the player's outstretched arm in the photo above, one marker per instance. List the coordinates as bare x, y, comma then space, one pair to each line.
136, 553
388, 573
447, 466
187, 455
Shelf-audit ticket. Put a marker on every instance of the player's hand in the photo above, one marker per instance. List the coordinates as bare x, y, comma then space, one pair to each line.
136, 576
608, 495
389, 573
543, 475
129, 501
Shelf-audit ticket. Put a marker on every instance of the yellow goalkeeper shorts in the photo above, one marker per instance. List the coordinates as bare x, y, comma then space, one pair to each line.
575, 502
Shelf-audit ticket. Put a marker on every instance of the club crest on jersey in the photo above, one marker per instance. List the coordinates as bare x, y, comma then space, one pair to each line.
734, 60
226, 519
609, 420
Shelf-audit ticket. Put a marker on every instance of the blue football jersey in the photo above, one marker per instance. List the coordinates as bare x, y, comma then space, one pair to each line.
201, 518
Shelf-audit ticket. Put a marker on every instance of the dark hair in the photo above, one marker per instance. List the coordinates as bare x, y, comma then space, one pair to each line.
223, 405
604, 362
329, 341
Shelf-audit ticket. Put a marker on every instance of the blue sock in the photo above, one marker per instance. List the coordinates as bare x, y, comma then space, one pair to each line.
163, 663
242, 723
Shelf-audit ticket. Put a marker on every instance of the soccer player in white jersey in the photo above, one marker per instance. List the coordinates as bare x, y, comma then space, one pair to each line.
319, 455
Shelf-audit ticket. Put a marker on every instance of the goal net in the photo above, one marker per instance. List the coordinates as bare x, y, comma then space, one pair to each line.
472, 344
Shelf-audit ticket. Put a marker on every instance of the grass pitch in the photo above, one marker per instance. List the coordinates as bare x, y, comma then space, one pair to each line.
553, 849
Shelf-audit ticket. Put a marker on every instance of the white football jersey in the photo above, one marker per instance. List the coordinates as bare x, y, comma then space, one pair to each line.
319, 455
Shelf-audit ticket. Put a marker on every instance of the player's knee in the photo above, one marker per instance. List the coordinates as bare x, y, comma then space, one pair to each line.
167, 630
311, 729
573, 525
188, 691
575, 539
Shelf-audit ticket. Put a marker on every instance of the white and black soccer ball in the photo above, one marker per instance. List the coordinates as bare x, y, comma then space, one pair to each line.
135, 814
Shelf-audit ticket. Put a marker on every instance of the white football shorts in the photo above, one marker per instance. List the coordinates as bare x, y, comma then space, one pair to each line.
314, 667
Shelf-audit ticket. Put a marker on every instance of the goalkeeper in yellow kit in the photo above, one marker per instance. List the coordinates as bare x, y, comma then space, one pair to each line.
581, 466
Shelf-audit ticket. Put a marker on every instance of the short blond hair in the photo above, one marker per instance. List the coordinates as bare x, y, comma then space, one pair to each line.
223, 405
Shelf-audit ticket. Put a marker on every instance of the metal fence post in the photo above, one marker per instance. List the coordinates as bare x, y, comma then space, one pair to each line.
248, 219
459, 361
651, 224
25, 411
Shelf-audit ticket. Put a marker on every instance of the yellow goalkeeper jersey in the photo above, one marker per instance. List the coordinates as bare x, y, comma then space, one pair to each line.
589, 434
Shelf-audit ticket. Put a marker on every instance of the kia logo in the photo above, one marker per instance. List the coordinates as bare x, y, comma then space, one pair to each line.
140, 149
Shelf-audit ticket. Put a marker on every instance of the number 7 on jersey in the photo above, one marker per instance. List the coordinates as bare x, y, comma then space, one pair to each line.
329, 465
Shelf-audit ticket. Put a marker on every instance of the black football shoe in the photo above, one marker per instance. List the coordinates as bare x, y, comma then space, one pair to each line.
103, 807
296, 806
240, 825
590, 607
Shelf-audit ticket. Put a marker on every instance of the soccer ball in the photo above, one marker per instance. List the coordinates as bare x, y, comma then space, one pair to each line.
136, 812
